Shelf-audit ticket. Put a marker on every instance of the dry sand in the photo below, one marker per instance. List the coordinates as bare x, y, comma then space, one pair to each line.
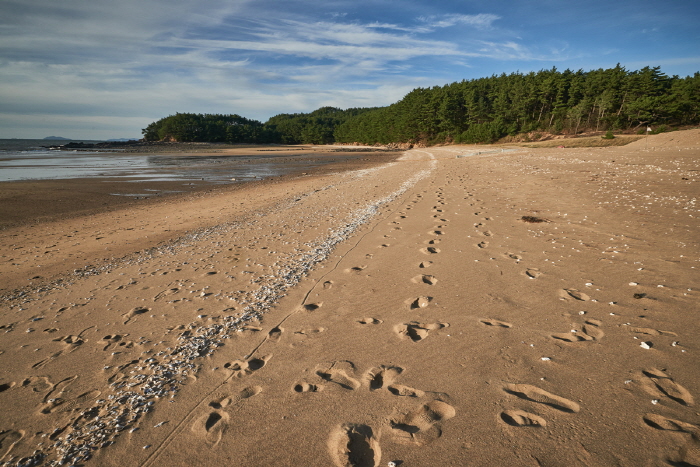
404, 313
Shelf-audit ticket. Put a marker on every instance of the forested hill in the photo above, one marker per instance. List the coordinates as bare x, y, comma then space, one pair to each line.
471, 111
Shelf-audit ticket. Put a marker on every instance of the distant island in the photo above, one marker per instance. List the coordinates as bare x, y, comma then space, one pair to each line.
57, 137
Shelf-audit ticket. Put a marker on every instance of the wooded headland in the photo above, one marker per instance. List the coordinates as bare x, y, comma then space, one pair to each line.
482, 110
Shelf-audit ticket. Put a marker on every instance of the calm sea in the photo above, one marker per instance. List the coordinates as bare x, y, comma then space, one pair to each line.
32, 159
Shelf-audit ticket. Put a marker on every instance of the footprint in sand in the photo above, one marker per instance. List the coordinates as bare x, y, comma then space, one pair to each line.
431, 250
405, 391
425, 279
166, 293
275, 334
134, 312
420, 302
312, 306
5, 386
59, 404
687, 453
382, 377
425, 264
418, 331
303, 386
241, 368
664, 383
568, 294
663, 423
495, 322
327, 285
651, 332
592, 328
37, 383
72, 343
572, 336
590, 332
307, 333
248, 330
533, 273
354, 445
8, 440
370, 321
512, 256
423, 425
535, 394
113, 341
223, 401
522, 418
355, 270
340, 373
482, 244
211, 426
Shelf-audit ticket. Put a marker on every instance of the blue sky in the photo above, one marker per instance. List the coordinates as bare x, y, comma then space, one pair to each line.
103, 69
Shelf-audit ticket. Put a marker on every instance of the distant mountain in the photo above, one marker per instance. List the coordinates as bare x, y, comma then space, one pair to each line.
58, 137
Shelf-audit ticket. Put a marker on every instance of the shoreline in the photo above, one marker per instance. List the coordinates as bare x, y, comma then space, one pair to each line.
27, 202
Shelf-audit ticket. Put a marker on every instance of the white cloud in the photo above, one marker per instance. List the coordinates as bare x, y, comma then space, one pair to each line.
480, 21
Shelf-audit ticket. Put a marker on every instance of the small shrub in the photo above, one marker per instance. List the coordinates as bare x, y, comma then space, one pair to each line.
609, 135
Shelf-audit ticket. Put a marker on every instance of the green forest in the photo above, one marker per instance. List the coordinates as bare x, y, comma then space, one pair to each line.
481, 110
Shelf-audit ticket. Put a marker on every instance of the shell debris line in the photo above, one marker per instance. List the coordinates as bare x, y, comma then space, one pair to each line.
158, 376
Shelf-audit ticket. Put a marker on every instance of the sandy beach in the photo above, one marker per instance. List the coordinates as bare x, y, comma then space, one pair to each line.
457, 306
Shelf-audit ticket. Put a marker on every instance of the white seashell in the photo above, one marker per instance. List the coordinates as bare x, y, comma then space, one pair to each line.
645, 345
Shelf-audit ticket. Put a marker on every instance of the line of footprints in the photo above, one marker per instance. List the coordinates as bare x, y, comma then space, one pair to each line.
356, 445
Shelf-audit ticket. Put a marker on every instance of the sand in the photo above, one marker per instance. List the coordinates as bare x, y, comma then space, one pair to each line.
462, 305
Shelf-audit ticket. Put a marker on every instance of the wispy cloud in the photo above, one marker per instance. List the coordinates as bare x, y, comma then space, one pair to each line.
480, 21
126, 62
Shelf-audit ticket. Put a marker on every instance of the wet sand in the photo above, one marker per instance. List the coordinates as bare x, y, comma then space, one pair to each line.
534, 307
35, 201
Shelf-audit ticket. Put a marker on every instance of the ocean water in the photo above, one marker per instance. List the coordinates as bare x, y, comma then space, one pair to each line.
33, 160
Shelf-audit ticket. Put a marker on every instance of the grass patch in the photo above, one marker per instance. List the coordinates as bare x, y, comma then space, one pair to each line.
587, 142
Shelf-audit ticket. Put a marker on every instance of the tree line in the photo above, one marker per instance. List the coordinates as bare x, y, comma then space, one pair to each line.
471, 111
